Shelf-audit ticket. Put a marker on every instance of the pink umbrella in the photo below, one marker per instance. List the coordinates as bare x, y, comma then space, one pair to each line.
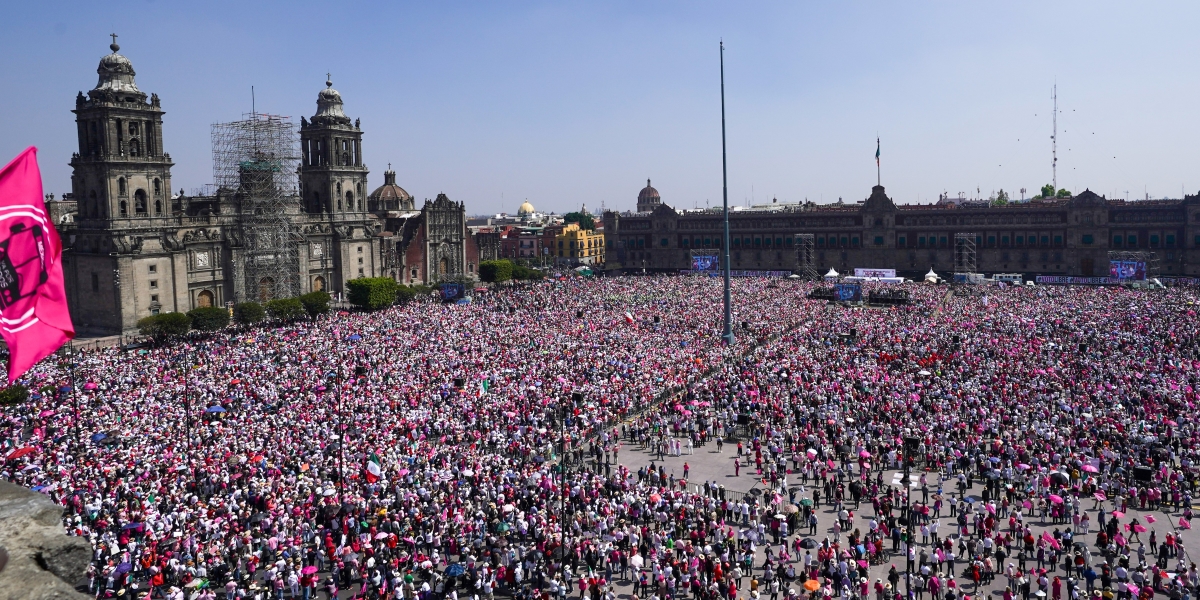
1100, 496
1089, 469
1150, 519
402, 472
91, 385
864, 454
1055, 498
1023, 466
1118, 514
309, 570
1133, 589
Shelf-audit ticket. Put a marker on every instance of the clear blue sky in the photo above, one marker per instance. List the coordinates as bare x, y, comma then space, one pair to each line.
565, 103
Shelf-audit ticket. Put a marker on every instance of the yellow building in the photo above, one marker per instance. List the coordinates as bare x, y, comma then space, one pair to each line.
579, 246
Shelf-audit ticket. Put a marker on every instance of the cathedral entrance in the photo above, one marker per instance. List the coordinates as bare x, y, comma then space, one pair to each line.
204, 299
318, 284
266, 289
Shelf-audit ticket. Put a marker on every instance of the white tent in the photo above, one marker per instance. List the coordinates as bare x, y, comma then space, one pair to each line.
931, 277
831, 275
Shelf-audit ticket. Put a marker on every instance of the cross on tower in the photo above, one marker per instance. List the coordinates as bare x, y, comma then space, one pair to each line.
328, 80
114, 37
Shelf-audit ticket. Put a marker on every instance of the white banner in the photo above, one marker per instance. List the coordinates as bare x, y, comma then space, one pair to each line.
875, 273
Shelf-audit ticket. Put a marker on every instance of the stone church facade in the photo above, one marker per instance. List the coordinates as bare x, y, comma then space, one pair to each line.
133, 249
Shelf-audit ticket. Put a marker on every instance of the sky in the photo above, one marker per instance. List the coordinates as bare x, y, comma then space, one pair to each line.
566, 104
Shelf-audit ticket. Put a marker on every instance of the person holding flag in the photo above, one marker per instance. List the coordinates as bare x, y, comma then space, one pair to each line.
373, 471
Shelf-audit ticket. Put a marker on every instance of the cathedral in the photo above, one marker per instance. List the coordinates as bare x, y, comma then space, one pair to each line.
134, 249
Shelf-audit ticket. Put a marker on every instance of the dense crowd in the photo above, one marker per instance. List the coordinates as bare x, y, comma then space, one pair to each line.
433, 450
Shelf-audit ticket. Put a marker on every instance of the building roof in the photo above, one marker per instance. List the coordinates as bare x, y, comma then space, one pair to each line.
525, 209
389, 190
116, 74
648, 193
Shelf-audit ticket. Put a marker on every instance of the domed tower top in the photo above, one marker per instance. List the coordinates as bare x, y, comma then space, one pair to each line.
116, 77
329, 106
648, 198
390, 196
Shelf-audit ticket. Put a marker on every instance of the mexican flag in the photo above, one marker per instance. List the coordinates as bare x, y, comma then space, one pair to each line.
373, 470
877, 152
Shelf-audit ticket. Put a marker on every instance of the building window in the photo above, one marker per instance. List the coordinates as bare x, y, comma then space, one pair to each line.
1133, 241
1117, 241
991, 240
1004, 240
360, 260
901, 241
95, 282
943, 241
1020, 241
879, 240
153, 268
686, 242
1087, 239
1170, 241
157, 187
1045, 240
121, 186
921, 241
663, 242
1154, 241
153, 284
1058, 240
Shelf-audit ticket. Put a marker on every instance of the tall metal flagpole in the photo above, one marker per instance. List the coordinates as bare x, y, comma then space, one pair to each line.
728, 334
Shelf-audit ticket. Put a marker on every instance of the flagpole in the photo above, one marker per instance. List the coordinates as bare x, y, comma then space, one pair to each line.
728, 333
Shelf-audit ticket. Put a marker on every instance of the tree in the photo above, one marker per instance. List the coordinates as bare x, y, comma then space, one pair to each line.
372, 293
1002, 196
495, 271
166, 325
405, 293
585, 220
248, 313
1047, 191
316, 303
209, 318
525, 273
13, 394
285, 309
1064, 193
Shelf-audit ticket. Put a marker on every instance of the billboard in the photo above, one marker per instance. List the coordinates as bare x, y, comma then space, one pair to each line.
875, 273
848, 292
705, 262
452, 291
1127, 270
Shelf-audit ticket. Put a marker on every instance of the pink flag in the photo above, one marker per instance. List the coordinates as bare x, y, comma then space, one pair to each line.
1150, 519
34, 319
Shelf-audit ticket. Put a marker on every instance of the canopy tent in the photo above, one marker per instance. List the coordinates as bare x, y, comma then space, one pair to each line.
832, 275
931, 277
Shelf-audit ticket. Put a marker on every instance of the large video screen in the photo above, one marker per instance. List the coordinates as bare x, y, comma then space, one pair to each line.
848, 292
1127, 270
452, 291
705, 262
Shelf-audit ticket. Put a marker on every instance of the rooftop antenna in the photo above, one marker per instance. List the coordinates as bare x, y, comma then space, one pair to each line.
1054, 142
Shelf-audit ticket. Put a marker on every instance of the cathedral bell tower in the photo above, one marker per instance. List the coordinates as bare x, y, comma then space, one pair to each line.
121, 174
333, 177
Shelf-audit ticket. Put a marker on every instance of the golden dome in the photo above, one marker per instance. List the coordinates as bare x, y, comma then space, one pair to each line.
525, 209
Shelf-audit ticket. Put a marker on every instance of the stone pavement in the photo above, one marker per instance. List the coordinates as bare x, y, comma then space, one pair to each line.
707, 464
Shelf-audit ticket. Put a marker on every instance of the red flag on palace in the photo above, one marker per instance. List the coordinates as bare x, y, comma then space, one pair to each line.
34, 319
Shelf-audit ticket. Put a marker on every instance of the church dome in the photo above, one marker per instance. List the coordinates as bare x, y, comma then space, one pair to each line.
648, 193
525, 209
390, 196
329, 105
116, 75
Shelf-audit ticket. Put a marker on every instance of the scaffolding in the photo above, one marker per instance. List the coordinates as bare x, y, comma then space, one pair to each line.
806, 255
256, 160
965, 256
1146, 257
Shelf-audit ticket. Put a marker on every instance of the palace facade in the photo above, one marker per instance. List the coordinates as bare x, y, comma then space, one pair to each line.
1067, 236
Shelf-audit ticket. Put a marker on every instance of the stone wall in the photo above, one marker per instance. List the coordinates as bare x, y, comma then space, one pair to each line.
43, 562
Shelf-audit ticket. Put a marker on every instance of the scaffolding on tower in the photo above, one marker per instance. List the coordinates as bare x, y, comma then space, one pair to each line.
255, 160
965, 255
806, 250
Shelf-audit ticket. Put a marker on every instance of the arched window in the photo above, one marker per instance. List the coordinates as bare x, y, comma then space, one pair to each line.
139, 202
158, 207
135, 148
92, 210
124, 208
157, 187
318, 284
349, 200
204, 299
121, 186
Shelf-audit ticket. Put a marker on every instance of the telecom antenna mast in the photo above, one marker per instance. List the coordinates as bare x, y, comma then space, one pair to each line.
1054, 142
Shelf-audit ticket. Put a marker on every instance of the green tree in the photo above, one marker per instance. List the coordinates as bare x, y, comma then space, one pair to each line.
1002, 196
525, 273
1047, 191
585, 220
405, 293
248, 313
285, 309
316, 303
495, 271
165, 325
13, 394
209, 318
1064, 193
372, 293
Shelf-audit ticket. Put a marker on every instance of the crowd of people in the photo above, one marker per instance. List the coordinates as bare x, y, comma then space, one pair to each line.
438, 451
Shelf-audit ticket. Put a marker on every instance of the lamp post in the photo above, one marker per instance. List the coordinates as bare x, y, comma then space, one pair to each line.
69, 354
728, 332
